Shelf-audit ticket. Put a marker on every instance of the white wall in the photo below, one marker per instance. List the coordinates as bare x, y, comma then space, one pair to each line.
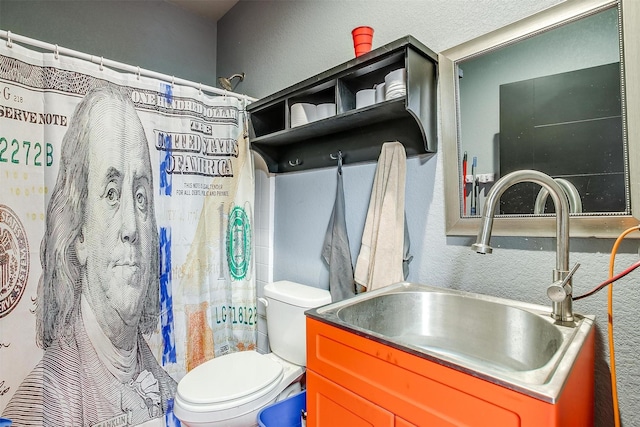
278, 43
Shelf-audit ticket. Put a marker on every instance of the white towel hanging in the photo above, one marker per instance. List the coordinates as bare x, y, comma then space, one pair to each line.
380, 261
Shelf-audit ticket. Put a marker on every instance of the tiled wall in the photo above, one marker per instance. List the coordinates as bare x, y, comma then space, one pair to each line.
263, 227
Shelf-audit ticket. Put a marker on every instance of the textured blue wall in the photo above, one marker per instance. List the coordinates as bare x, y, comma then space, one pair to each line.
152, 34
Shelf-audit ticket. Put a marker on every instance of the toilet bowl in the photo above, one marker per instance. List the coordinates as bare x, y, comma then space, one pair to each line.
231, 389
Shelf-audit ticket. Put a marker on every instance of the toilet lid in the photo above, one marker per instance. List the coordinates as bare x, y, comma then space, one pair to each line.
230, 377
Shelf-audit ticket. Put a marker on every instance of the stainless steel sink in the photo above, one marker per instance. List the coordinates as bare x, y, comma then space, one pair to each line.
512, 343
465, 327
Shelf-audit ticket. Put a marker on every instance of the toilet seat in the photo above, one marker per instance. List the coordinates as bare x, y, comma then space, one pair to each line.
228, 386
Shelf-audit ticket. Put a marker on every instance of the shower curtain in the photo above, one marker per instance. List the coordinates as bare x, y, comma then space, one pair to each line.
126, 251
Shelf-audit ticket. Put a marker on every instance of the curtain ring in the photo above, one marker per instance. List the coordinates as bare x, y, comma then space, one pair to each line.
56, 53
101, 63
173, 80
9, 43
199, 88
296, 163
138, 73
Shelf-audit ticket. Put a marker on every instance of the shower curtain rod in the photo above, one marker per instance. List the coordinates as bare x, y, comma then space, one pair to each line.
11, 37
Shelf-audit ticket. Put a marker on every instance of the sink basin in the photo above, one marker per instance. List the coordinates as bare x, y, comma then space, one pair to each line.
501, 336
511, 343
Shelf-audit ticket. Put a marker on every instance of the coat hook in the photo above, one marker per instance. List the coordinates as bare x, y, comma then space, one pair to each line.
338, 156
296, 163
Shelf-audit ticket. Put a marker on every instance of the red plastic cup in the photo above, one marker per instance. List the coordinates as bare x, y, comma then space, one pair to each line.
362, 37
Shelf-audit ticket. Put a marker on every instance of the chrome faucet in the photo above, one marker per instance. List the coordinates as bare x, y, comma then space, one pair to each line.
560, 292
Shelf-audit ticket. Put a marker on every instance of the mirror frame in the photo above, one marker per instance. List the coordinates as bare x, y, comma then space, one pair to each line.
583, 225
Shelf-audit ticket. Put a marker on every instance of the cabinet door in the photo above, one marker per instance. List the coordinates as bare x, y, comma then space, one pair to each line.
330, 405
404, 423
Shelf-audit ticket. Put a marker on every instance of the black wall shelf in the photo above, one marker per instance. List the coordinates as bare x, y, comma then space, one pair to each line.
358, 133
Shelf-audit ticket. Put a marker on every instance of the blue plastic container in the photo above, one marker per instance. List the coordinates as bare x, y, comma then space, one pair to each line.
285, 413
5, 422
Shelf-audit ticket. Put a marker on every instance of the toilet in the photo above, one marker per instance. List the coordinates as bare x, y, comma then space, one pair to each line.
230, 390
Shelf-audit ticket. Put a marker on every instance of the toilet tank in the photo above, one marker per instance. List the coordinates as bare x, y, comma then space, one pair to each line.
286, 323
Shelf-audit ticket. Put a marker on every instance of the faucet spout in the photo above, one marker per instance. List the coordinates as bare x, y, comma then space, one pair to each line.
561, 310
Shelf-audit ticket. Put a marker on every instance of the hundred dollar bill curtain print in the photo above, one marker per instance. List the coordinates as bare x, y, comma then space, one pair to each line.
126, 215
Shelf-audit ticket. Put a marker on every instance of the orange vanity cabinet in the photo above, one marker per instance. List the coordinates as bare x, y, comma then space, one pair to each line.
356, 381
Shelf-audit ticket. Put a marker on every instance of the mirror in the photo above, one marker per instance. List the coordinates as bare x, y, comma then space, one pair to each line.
545, 93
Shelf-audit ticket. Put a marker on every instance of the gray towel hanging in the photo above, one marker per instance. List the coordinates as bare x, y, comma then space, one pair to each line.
335, 250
